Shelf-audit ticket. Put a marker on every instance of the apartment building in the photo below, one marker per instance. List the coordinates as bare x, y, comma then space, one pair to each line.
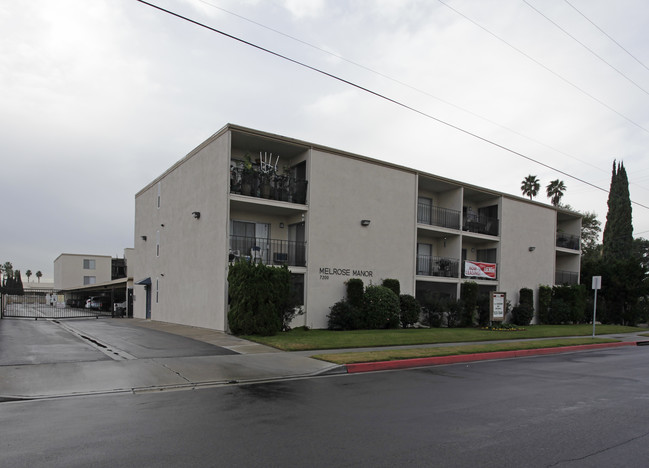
329, 216
74, 270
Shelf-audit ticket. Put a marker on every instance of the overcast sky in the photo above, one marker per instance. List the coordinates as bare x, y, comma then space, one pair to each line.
99, 97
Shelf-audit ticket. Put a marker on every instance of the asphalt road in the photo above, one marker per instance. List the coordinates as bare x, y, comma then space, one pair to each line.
585, 409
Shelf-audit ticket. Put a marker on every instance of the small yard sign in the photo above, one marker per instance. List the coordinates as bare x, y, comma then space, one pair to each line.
498, 302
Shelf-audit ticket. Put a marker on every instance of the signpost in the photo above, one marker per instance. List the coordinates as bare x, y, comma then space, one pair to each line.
597, 284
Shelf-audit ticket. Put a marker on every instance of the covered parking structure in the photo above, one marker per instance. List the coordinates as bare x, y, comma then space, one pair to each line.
118, 295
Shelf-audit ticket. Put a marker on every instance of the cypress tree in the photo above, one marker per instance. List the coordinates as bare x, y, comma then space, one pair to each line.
618, 231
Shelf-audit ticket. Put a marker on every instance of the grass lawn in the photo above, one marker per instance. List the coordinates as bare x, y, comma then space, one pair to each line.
396, 354
300, 339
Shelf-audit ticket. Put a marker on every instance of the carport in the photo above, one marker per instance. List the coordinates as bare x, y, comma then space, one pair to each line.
120, 292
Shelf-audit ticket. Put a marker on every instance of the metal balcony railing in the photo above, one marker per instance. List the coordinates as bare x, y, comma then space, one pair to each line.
267, 251
438, 216
562, 277
568, 241
280, 187
480, 224
437, 266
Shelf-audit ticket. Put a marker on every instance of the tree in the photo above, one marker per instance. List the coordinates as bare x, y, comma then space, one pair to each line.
591, 227
530, 186
39, 275
28, 273
7, 270
618, 231
555, 191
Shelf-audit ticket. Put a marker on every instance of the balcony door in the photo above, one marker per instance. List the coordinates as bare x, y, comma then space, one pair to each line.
250, 239
297, 238
424, 254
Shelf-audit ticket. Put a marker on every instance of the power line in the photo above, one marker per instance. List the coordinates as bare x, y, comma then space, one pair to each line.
565, 80
587, 48
376, 94
607, 35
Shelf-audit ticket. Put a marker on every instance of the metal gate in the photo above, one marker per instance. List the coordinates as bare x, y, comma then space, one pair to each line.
48, 305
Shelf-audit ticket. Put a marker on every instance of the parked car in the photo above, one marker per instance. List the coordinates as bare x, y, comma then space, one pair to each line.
98, 303
75, 303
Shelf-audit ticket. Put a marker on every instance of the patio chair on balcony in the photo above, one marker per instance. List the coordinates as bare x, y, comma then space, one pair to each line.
255, 254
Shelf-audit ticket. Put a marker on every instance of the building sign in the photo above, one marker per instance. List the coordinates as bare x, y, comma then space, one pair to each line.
498, 306
326, 272
479, 270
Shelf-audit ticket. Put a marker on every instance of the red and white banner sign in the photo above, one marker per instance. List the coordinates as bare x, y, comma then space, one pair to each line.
480, 270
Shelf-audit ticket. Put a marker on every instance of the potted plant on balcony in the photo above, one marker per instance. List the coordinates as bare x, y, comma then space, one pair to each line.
247, 174
265, 179
445, 266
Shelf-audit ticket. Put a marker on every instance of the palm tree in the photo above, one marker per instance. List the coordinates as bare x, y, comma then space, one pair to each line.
28, 273
38, 275
555, 191
530, 186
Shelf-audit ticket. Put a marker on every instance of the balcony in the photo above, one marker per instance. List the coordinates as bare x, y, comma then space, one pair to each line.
268, 251
272, 186
480, 270
480, 224
437, 266
437, 216
562, 277
568, 241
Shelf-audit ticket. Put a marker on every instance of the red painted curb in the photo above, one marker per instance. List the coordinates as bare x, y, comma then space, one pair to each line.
435, 361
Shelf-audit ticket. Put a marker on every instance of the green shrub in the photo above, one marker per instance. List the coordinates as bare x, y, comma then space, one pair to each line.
545, 300
410, 310
575, 298
393, 285
433, 313
522, 314
559, 311
355, 292
344, 316
259, 297
380, 308
469, 297
484, 311
454, 313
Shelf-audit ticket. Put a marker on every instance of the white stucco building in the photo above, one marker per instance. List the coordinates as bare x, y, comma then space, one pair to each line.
331, 215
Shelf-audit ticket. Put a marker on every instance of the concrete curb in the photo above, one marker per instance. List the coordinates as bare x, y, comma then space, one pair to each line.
458, 358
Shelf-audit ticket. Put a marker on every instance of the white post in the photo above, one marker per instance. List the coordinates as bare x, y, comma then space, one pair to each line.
597, 284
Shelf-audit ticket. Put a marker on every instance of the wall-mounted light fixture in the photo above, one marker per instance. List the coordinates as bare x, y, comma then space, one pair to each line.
162, 274
365, 222
531, 249
196, 214
143, 238
281, 225
162, 225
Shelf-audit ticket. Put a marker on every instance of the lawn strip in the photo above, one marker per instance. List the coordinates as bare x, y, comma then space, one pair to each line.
302, 340
396, 354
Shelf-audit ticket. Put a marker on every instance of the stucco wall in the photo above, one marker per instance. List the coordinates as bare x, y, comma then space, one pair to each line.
526, 225
69, 271
191, 269
342, 192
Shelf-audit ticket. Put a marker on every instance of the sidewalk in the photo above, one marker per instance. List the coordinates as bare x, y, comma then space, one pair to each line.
135, 367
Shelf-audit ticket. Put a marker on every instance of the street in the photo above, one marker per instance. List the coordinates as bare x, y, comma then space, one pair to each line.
570, 410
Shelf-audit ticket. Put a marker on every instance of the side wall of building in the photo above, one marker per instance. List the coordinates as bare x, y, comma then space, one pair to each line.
69, 271
525, 226
343, 191
185, 256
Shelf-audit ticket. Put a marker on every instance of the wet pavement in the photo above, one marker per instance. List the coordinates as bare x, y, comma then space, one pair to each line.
53, 358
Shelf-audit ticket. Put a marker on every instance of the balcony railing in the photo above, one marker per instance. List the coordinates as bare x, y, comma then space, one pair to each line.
562, 277
438, 216
437, 266
280, 187
267, 251
480, 224
567, 241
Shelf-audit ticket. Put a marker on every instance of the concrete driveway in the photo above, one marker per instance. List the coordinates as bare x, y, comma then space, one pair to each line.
51, 358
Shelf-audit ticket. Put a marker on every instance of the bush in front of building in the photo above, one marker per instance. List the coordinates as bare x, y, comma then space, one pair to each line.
545, 301
259, 296
344, 316
469, 297
523, 313
355, 290
484, 311
410, 310
433, 312
380, 308
393, 285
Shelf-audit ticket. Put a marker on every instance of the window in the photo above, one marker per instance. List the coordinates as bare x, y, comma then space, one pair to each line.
89, 279
487, 255
157, 289
157, 243
158, 203
88, 264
